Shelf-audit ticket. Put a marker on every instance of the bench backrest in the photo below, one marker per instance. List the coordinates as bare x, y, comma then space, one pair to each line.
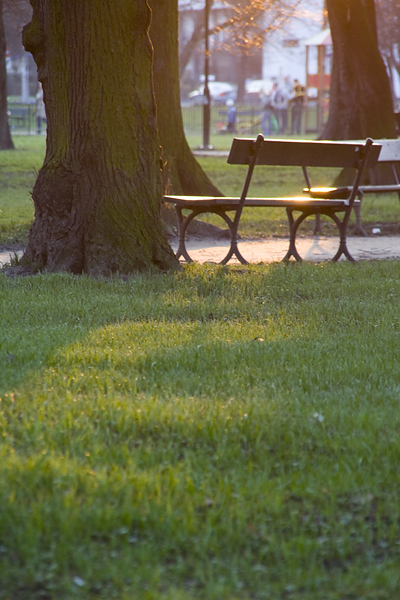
390, 150
302, 153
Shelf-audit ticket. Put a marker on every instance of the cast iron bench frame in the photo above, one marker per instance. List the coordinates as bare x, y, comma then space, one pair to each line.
299, 153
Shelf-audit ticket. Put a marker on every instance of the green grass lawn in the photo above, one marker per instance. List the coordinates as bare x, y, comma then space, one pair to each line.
222, 433
18, 170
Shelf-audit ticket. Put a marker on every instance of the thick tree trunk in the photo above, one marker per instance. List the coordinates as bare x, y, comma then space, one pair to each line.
182, 173
360, 97
98, 195
6, 142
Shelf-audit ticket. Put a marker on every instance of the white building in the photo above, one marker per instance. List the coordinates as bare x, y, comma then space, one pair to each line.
282, 54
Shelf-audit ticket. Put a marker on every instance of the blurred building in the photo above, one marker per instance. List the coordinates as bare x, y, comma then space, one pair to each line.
280, 52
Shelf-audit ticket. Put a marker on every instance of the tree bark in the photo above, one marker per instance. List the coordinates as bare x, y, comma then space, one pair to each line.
6, 142
360, 98
98, 195
182, 174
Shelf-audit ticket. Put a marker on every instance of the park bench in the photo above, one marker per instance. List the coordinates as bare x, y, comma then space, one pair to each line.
386, 183
299, 153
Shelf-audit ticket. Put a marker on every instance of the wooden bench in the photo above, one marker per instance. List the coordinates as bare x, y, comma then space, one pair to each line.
390, 156
283, 153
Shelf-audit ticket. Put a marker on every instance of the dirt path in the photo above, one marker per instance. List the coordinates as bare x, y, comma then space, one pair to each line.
312, 249
274, 249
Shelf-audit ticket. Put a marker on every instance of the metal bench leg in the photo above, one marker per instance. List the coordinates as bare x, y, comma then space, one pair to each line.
295, 223
293, 227
357, 211
343, 249
233, 250
183, 223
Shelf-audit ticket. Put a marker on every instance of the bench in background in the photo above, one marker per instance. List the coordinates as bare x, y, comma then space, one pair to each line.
387, 184
282, 153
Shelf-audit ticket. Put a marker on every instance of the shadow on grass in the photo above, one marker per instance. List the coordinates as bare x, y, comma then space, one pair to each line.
197, 426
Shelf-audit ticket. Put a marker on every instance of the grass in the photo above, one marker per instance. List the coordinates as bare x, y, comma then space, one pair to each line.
18, 171
220, 433
223, 433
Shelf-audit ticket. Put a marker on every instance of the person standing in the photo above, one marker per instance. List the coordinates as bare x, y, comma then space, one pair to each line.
231, 126
280, 101
297, 104
268, 114
266, 121
40, 109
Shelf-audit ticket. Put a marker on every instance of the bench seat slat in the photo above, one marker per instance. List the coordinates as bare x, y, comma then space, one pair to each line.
192, 200
339, 192
224, 202
380, 189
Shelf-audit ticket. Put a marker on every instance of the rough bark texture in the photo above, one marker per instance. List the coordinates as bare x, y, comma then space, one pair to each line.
98, 195
6, 142
360, 97
182, 173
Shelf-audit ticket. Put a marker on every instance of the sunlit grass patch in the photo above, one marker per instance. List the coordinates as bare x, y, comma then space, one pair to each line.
224, 432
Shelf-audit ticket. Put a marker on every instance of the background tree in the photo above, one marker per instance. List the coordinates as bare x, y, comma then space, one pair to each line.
6, 142
97, 197
388, 20
360, 98
182, 174
17, 13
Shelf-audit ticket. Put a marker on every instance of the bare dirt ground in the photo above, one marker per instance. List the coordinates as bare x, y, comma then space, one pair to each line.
314, 249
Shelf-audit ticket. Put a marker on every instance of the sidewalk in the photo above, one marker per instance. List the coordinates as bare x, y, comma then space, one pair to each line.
314, 249
274, 249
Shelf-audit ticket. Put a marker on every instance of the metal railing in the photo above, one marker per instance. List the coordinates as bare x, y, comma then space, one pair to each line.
22, 117
248, 119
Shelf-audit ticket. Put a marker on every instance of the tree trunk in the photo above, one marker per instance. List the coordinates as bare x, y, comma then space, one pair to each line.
185, 53
182, 173
6, 142
98, 195
360, 98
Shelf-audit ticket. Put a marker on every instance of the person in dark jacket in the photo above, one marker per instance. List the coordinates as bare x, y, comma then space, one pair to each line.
297, 104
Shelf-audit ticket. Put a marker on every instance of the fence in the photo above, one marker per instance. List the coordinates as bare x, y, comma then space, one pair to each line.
22, 119
248, 119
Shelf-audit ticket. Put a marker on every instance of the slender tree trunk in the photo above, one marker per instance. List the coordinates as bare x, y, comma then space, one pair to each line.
98, 195
360, 97
197, 36
6, 142
241, 76
182, 173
